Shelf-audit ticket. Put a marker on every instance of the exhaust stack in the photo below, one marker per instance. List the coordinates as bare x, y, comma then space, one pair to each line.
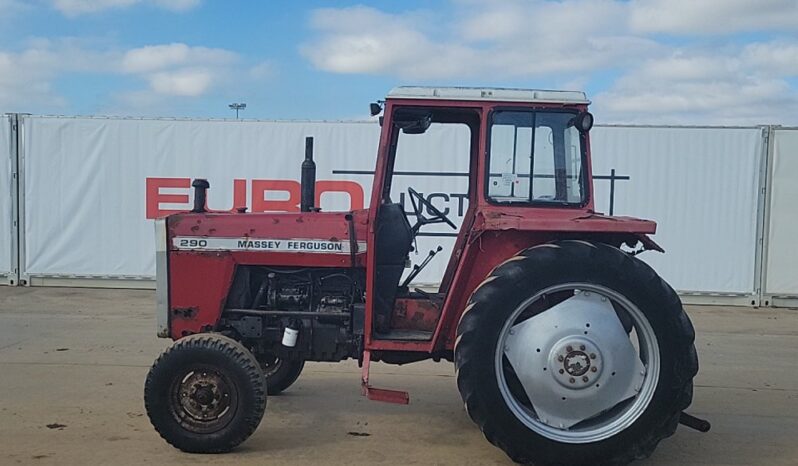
200, 196
308, 179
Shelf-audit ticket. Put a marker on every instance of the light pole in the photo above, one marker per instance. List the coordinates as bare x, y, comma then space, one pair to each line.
237, 106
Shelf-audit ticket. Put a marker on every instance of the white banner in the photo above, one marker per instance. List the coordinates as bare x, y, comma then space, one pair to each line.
700, 185
6, 196
92, 186
782, 253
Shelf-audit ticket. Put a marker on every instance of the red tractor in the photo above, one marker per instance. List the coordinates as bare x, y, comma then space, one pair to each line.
568, 349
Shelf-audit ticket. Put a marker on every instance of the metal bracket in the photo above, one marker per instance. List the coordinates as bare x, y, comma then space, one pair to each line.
379, 394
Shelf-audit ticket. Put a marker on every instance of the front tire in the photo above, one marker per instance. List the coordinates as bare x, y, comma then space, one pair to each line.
205, 394
589, 352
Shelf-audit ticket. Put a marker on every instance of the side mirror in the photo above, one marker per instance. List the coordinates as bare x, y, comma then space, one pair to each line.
375, 108
583, 122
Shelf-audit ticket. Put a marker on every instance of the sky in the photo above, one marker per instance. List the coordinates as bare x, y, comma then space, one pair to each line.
714, 62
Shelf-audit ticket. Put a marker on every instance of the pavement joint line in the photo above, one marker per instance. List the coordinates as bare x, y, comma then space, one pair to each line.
772, 389
23, 363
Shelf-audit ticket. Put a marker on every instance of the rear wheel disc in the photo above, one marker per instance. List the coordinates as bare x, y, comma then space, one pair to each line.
582, 377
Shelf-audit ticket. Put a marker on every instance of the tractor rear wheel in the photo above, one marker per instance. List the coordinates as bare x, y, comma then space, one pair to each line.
589, 352
205, 394
280, 373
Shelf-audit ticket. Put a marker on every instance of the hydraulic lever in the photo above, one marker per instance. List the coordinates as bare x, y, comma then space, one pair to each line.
419, 267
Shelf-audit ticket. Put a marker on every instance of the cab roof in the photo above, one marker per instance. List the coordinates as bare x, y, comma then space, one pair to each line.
493, 94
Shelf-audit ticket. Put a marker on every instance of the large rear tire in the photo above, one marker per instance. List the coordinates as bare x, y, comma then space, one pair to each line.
575, 353
205, 394
280, 373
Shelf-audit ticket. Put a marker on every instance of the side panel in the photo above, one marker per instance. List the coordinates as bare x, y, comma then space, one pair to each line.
197, 299
781, 279
701, 187
161, 278
8, 243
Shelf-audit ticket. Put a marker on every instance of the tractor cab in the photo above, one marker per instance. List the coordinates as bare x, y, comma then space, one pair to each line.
505, 149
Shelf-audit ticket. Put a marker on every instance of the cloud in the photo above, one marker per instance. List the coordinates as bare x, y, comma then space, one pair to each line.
168, 74
695, 87
178, 69
494, 39
177, 5
72, 8
654, 60
185, 82
704, 17
365, 40
773, 57
27, 76
156, 57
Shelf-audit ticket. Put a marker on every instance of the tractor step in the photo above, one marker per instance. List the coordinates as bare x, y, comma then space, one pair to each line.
387, 396
379, 394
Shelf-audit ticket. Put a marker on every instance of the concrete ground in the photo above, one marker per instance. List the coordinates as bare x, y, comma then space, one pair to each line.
73, 362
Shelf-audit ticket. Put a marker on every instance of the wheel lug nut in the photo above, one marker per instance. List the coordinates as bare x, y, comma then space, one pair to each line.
560, 358
582, 347
592, 355
572, 380
569, 348
562, 371
593, 369
585, 379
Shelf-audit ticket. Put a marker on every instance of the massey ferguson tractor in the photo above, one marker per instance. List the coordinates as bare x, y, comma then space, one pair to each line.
568, 349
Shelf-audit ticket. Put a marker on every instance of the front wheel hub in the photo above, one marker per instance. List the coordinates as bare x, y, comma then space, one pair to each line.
203, 396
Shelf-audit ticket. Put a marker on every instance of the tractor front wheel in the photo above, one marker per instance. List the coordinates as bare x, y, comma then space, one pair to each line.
205, 394
575, 353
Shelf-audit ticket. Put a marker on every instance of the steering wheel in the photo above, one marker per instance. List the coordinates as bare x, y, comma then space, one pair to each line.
419, 203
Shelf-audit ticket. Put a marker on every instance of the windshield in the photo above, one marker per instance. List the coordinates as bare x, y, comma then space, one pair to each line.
535, 158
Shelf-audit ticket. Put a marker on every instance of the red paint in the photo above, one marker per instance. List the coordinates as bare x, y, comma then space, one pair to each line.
415, 314
288, 194
354, 190
379, 394
203, 290
155, 198
261, 204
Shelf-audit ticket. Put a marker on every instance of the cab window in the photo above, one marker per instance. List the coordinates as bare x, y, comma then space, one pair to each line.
536, 158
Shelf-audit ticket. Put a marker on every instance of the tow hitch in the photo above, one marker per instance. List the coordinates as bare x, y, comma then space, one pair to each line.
693, 422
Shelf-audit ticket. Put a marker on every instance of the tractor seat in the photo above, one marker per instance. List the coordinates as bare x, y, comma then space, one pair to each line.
394, 241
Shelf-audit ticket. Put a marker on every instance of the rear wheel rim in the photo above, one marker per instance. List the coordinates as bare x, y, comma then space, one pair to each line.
575, 363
